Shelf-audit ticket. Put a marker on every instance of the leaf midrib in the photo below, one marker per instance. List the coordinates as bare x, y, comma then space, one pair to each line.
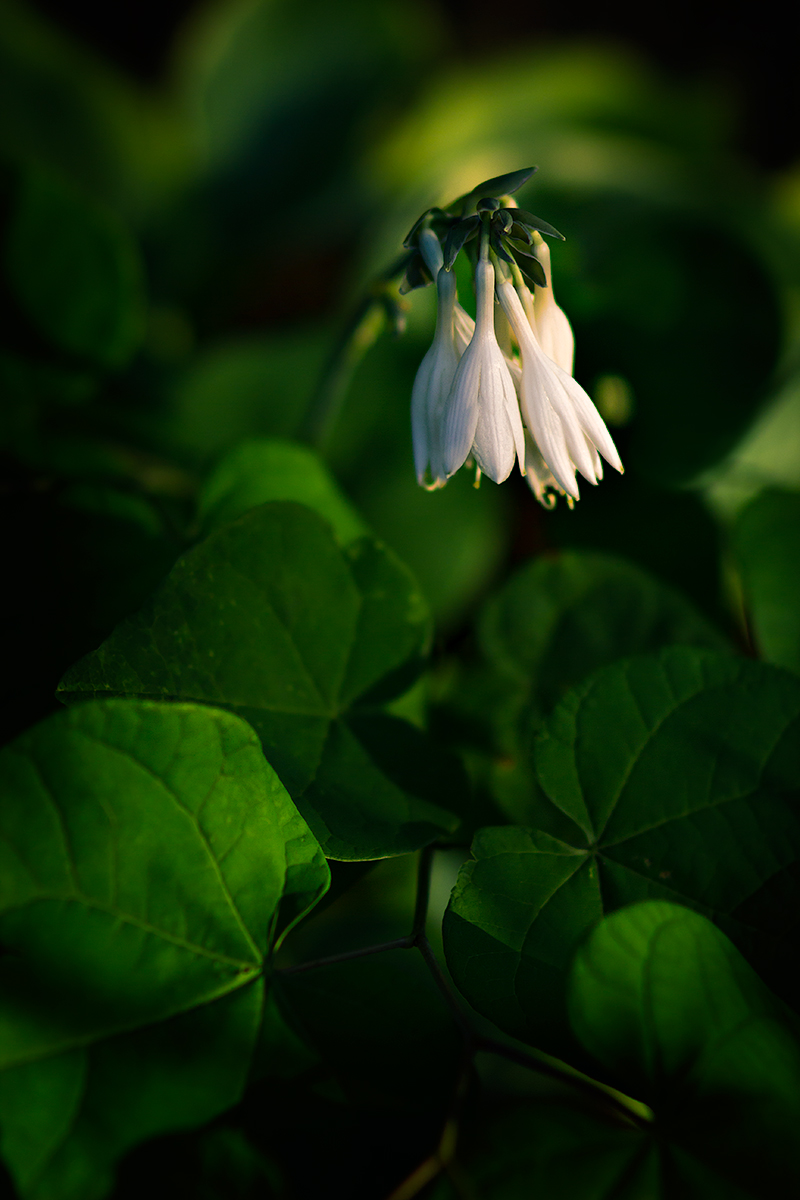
90, 1039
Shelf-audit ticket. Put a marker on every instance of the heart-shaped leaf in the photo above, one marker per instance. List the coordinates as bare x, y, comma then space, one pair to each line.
672, 777
271, 618
146, 851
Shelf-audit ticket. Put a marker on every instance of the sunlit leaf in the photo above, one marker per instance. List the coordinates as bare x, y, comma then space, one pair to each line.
145, 850
259, 471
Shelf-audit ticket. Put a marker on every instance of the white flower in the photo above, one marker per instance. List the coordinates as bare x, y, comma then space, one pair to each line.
432, 387
482, 416
463, 325
562, 420
550, 323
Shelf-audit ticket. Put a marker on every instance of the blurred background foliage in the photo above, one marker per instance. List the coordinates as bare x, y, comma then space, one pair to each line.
193, 198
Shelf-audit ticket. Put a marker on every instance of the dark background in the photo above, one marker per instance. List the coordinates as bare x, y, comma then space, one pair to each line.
751, 49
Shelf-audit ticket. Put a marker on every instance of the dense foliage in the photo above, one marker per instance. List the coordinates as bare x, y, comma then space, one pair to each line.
359, 840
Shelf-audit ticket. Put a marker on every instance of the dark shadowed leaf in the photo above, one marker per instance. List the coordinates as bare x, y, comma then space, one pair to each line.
75, 271
556, 621
560, 618
667, 1004
767, 543
674, 778
271, 618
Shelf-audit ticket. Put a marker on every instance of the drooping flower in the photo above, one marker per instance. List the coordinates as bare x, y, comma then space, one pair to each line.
550, 323
492, 393
563, 422
482, 416
463, 325
432, 387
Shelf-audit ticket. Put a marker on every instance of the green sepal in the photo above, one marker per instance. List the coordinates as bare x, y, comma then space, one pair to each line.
504, 185
498, 247
487, 204
429, 212
416, 275
521, 217
520, 233
502, 221
532, 270
459, 234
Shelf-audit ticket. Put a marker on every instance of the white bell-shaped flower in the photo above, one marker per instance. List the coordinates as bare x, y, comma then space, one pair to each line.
463, 325
550, 323
561, 418
432, 387
482, 417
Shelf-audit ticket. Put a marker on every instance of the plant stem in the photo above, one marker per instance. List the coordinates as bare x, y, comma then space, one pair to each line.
362, 331
405, 943
423, 890
443, 985
578, 1082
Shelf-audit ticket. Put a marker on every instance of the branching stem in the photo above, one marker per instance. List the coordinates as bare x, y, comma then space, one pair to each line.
405, 943
474, 1043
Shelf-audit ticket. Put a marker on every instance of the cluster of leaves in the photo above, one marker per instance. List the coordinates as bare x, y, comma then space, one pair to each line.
350, 861
510, 230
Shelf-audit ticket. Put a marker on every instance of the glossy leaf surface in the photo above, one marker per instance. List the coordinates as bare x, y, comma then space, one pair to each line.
146, 849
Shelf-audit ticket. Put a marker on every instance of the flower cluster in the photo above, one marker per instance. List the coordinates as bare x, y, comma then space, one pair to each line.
472, 400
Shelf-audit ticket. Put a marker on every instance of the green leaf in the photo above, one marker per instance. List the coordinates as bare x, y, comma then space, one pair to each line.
261, 470
553, 1148
672, 777
270, 617
145, 850
75, 271
766, 538
248, 388
555, 621
558, 619
664, 1001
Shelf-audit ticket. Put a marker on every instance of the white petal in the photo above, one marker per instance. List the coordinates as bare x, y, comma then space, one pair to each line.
461, 411
597, 461
552, 327
558, 341
540, 478
550, 381
498, 438
431, 250
432, 387
464, 328
548, 430
590, 420
419, 414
